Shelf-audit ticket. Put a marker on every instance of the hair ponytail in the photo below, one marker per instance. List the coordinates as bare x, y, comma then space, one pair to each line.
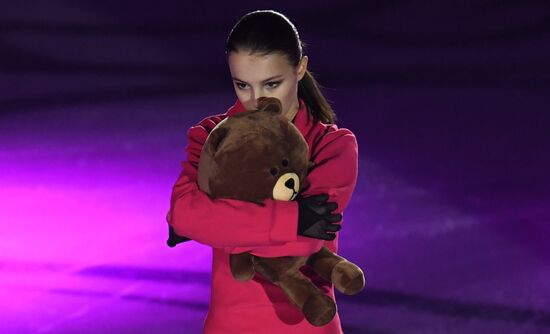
310, 91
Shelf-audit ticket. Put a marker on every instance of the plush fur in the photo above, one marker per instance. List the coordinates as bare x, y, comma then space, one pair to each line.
257, 155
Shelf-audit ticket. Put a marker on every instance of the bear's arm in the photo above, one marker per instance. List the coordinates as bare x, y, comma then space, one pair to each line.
225, 222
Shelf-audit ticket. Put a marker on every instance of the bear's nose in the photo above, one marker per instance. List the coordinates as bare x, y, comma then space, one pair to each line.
289, 183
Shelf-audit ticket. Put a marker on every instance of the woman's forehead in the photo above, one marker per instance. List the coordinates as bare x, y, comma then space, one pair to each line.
257, 67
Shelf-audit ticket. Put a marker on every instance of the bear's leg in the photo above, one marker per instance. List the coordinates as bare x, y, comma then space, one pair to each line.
346, 276
241, 266
318, 308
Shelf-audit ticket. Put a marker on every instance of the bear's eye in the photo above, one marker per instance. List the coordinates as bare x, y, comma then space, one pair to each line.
285, 162
274, 171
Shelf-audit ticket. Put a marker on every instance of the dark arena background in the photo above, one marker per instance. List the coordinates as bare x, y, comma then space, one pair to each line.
450, 103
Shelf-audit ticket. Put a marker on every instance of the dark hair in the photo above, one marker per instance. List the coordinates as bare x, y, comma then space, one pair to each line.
268, 31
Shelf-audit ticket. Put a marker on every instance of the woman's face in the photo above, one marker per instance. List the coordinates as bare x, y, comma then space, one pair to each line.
271, 75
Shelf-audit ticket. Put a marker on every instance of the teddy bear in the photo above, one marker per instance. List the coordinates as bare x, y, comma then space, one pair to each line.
256, 155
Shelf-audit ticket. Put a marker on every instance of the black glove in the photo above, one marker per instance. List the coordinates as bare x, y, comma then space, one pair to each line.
314, 218
173, 238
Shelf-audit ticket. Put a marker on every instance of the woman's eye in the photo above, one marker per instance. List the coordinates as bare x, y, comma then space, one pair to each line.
273, 84
240, 85
274, 171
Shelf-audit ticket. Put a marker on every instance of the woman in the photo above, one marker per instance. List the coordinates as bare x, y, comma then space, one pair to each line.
265, 57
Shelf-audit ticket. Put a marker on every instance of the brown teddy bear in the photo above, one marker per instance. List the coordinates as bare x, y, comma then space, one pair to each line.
258, 155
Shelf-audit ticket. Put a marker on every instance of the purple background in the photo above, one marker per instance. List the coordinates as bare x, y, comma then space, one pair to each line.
449, 102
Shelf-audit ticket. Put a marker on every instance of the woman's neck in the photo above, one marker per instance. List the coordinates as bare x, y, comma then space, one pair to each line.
291, 113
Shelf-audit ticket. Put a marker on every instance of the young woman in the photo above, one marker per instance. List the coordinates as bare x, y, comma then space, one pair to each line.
266, 58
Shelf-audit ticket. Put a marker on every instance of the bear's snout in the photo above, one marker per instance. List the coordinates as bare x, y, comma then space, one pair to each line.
286, 188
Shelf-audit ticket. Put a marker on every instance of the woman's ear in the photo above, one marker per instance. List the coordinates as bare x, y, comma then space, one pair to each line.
302, 67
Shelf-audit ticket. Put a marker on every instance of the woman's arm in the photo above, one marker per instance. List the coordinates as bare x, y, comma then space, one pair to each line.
335, 168
225, 222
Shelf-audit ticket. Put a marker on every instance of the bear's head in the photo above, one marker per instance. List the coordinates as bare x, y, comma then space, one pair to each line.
254, 155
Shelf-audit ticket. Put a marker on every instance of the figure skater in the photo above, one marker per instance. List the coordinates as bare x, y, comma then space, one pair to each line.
267, 58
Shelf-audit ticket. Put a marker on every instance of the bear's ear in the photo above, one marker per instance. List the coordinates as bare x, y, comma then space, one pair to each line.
214, 140
270, 104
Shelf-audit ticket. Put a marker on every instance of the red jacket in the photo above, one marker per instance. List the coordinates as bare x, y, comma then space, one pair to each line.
229, 225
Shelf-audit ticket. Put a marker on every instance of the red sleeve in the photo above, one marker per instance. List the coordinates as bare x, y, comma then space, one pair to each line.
225, 222
335, 170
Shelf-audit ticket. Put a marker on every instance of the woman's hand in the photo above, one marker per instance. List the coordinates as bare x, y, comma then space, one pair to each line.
314, 218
